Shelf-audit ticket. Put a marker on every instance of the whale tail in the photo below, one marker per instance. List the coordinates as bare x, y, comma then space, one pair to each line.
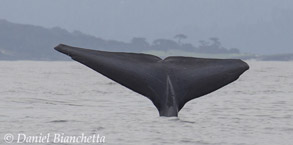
168, 83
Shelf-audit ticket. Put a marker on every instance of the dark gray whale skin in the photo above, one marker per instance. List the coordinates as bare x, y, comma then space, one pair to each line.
168, 83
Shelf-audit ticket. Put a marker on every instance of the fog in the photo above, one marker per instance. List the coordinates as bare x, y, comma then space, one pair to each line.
254, 26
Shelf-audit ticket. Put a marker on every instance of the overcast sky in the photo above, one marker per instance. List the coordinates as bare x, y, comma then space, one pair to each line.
261, 26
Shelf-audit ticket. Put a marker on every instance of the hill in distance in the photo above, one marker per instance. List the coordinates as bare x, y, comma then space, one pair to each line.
28, 42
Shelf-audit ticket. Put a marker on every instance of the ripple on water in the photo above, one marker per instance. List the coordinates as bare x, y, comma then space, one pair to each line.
59, 121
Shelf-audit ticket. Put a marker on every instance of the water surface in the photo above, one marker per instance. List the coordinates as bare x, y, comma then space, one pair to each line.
67, 97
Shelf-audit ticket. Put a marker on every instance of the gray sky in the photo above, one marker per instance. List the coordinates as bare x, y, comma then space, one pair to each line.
260, 26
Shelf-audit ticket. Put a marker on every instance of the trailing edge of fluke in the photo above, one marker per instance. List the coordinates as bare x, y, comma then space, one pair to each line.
168, 83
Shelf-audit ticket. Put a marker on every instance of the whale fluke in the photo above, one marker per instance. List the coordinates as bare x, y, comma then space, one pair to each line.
168, 83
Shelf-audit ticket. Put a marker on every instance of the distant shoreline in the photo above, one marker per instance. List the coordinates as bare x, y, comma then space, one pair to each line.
277, 57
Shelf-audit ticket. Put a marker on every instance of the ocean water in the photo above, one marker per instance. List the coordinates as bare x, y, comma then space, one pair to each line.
67, 98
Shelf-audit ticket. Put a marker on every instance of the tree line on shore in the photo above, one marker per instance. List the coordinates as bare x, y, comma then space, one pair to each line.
213, 45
